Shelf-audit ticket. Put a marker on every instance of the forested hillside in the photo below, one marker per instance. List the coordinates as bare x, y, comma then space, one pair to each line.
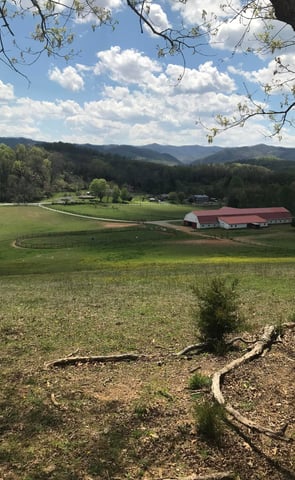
31, 173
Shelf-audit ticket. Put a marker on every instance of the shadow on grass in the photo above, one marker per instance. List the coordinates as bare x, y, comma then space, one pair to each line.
40, 441
274, 463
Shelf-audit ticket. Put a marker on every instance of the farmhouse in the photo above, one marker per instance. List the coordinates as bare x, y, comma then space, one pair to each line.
231, 218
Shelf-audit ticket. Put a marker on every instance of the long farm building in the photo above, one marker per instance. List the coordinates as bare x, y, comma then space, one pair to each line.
232, 218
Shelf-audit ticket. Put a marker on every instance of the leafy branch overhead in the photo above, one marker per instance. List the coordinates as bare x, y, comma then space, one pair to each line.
53, 33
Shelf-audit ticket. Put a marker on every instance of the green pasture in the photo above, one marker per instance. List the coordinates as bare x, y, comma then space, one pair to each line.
134, 211
35, 240
73, 286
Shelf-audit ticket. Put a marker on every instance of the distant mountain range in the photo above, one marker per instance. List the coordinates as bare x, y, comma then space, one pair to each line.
177, 155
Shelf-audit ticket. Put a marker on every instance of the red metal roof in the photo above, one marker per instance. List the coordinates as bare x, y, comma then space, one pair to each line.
211, 216
267, 212
217, 212
238, 219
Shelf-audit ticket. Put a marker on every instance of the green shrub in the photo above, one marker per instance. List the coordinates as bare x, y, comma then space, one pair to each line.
218, 313
210, 421
198, 381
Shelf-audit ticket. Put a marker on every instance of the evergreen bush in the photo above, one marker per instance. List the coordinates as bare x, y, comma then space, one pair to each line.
218, 312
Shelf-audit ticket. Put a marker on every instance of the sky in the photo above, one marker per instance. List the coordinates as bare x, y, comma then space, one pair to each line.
116, 88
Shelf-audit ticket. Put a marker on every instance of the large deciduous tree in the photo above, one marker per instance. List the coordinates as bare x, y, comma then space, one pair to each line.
53, 34
98, 187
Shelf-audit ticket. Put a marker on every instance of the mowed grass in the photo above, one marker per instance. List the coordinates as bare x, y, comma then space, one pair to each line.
72, 256
50, 241
135, 211
109, 291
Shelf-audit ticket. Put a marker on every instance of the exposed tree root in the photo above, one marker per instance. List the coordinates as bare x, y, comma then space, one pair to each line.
203, 346
269, 336
239, 339
193, 348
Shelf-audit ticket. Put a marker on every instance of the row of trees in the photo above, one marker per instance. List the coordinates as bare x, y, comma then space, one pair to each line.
30, 173
25, 174
100, 188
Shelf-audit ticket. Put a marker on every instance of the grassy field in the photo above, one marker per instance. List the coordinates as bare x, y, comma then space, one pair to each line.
136, 211
75, 286
49, 241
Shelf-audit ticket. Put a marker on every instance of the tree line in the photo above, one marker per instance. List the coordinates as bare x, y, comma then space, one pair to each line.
31, 173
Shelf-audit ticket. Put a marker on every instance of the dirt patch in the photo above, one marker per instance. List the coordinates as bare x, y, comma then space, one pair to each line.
137, 420
118, 224
150, 406
206, 241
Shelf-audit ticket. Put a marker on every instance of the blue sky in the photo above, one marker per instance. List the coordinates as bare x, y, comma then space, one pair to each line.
117, 90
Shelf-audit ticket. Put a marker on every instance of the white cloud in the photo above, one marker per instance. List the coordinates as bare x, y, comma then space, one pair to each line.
105, 8
232, 27
25, 108
144, 103
205, 78
239, 35
123, 115
67, 78
194, 12
127, 66
6, 91
279, 76
111, 4
157, 17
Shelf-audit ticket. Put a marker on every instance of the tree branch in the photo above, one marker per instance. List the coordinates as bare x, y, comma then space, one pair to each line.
65, 361
270, 334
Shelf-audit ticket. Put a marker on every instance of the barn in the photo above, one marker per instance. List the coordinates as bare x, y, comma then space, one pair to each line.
231, 218
242, 221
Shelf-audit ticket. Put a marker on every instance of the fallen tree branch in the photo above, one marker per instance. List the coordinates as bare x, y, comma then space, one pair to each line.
268, 338
190, 348
70, 359
65, 361
210, 476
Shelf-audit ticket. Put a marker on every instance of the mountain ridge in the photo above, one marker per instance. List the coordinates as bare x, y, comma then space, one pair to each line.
174, 155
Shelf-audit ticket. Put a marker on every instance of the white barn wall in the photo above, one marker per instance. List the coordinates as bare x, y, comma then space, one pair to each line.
232, 227
190, 217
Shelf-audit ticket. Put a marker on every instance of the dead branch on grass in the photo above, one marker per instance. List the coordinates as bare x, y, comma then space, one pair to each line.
269, 336
70, 359
65, 361
210, 476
